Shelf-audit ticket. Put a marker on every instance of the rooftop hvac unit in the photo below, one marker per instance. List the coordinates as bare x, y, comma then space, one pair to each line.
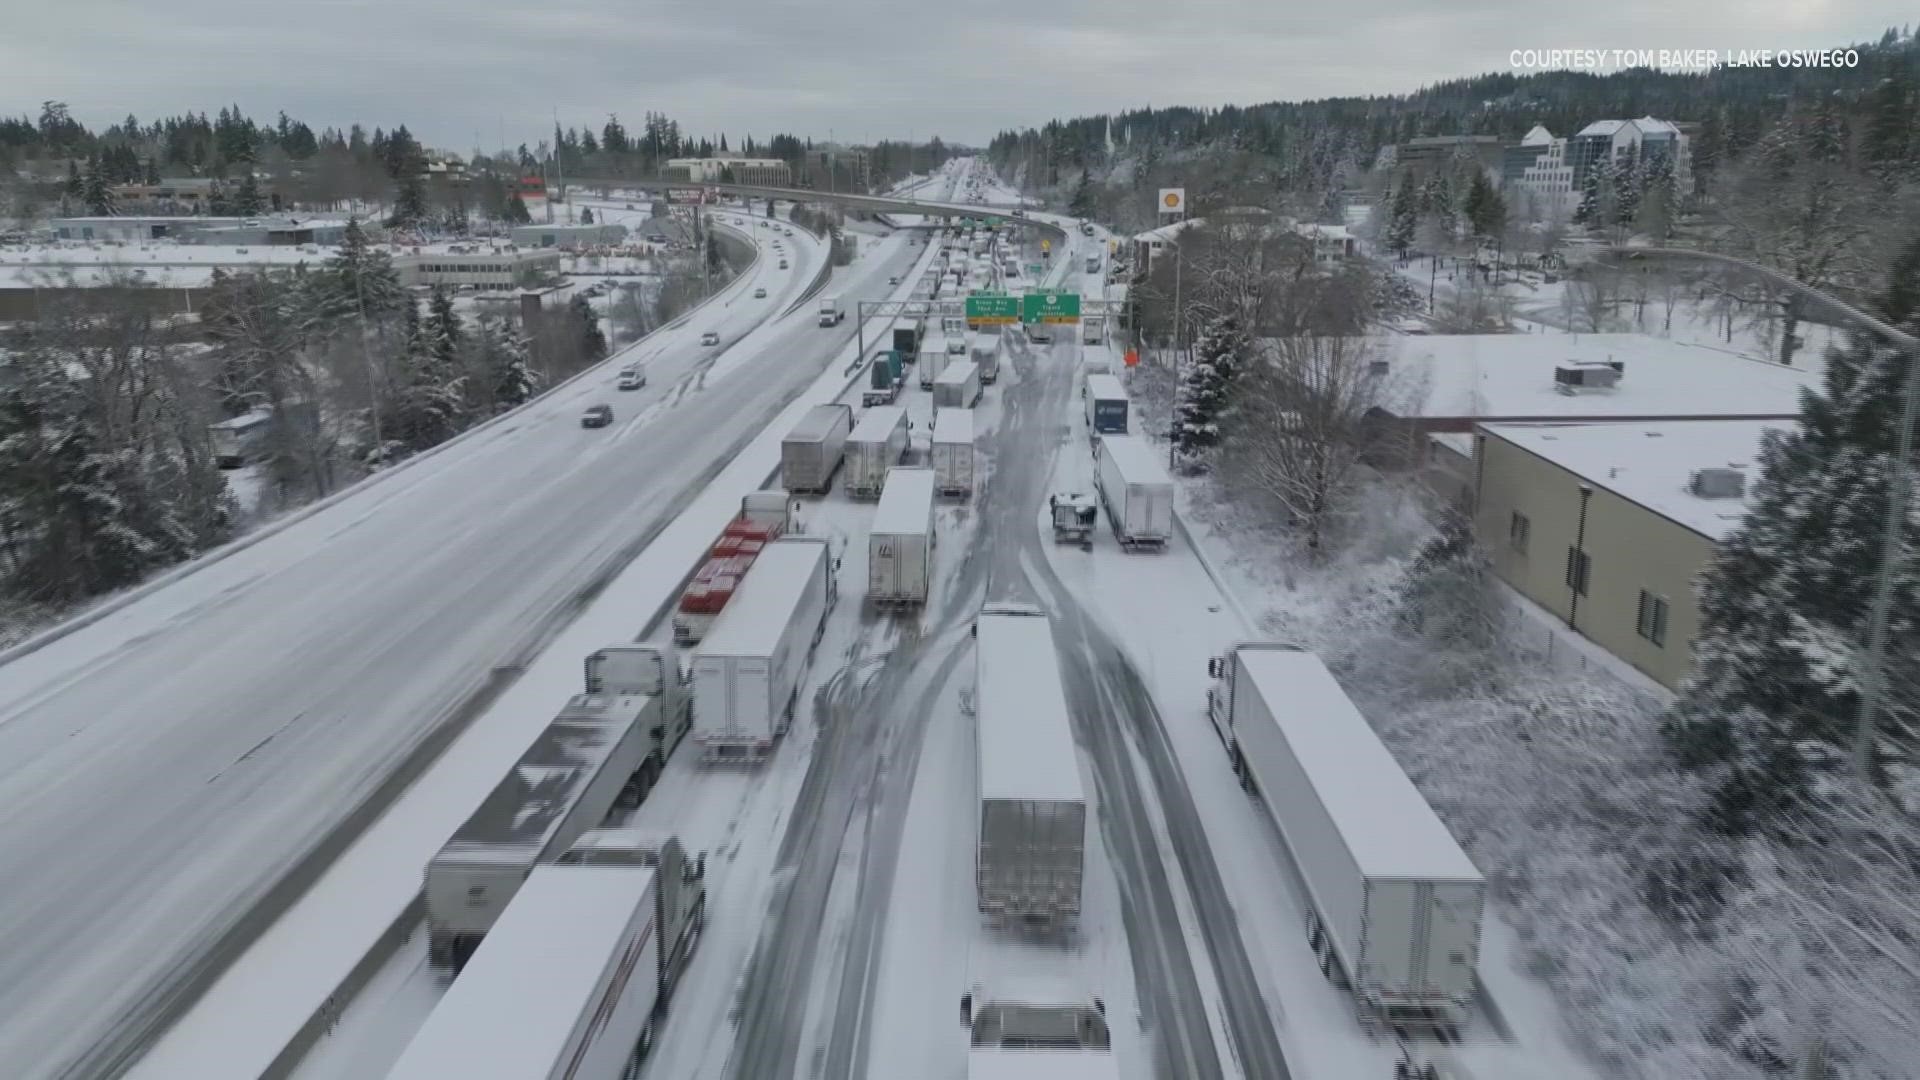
1586, 375
1718, 483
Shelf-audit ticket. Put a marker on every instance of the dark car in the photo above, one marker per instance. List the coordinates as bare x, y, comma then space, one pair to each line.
597, 416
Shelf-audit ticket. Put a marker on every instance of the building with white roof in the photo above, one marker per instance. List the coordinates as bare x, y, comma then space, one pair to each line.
1538, 176
1606, 525
1646, 138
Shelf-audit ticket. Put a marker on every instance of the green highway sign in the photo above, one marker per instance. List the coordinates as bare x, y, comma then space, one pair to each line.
1049, 306
995, 310
1033, 268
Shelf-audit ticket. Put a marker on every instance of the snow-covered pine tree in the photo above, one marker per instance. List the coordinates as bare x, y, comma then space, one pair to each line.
1592, 194
1627, 186
1206, 382
516, 211
593, 343
1081, 204
512, 378
362, 277
586, 215
247, 200
1406, 219
1769, 707
98, 193
429, 406
445, 335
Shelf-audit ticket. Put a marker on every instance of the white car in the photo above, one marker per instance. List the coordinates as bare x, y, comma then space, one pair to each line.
710, 338
759, 294
633, 377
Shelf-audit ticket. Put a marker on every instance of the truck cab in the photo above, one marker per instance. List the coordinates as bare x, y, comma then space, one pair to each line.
1013, 1029
1220, 694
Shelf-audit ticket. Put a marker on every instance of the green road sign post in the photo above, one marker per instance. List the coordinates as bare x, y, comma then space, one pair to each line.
985, 310
1050, 306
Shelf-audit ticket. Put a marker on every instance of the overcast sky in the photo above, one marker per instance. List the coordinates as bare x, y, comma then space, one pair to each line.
457, 71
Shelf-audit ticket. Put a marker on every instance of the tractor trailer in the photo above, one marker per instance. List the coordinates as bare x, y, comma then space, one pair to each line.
747, 672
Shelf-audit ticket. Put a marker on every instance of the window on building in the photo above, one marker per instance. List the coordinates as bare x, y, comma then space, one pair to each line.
1579, 570
1651, 623
1518, 530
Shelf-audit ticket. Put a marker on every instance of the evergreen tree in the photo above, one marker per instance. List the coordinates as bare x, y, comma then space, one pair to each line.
1660, 200
1769, 707
1627, 184
516, 212
500, 373
1206, 383
359, 279
247, 200
98, 193
444, 330
1593, 194
1888, 144
1081, 205
75, 186
593, 343
152, 174
409, 202
1486, 211
1405, 220
429, 407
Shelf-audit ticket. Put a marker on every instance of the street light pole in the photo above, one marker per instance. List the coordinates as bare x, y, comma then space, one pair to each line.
1873, 668
1171, 429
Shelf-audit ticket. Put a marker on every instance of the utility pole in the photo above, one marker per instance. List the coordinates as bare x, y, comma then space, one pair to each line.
1873, 688
1178, 263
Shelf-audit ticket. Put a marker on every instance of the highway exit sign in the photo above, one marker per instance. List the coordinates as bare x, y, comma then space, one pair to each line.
993, 310
1050, 307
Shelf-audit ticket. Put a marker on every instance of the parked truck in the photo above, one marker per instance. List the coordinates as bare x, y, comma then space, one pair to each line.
906, 342
748, 671
764, 517
1030, 823
831, 313
953, 452
884, 380
606, 748
877, 444
1135, 491
574, 981
1395, 903
932, 363
811, 452
1027, 1029
958, 386
1106, 406
983, 347
1093, 329
955, 329
901, 540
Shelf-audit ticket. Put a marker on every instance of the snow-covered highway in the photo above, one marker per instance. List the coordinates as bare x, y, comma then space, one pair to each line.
166, 766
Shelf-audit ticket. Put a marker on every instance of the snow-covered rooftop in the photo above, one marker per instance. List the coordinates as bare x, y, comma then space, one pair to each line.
1510, 377
876, 424
514, 1008
1651, 463
1389, 827
906, 503
1168, 232
100, 254
1537, 136
1024, 734
752, 622
953, 426
1138, 462
1043, 1065
1603, 127
1457, 441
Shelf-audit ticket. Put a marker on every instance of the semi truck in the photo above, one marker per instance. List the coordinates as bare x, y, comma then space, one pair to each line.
748, 671
984, 347
1106, 406
574, 981
811, 452
831, 313
877, 444
1030, 821
884, 380
605, 748
901, 540
1394, 903
764, 517
958, 386
1136, 492
953, 452
1044, 1029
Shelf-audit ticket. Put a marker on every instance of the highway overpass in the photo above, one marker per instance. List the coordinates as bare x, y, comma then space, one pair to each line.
872, 204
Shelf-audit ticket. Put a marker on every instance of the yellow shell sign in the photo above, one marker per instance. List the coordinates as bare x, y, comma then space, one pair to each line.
1173, 200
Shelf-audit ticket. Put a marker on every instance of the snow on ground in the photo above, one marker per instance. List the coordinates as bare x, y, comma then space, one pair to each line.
1171, 616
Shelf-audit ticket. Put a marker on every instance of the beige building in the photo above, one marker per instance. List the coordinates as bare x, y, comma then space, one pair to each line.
771, 172
1606, 525
474, 266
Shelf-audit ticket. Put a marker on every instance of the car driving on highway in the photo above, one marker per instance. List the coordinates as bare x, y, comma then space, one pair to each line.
597, 416
633, 377
759, 294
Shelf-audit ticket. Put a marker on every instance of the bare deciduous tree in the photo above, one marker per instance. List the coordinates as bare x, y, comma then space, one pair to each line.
1303, 426
1590, 298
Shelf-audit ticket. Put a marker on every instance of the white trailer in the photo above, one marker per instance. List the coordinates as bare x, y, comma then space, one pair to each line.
953, 452
901, 540
933, 360
1135, 491
812, 450
958, 387
984, 347
576, 977
1395, 903
955, 328
877, 444
1023, 1029
1106, 406
607, 747
748, 670
1030, 824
